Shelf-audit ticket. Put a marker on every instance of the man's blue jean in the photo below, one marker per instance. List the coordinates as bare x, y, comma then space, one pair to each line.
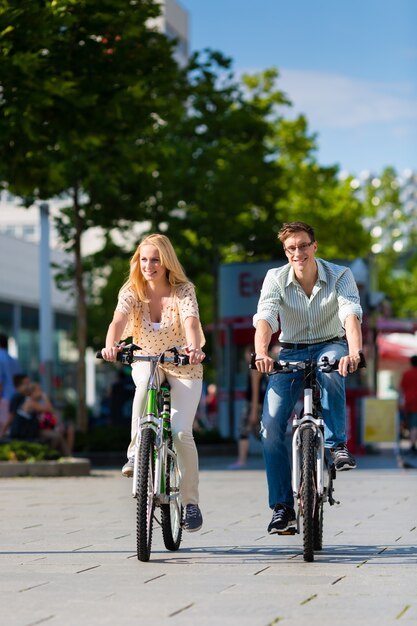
281, 397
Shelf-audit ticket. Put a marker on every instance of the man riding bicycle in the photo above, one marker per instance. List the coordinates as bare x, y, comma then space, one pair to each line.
318, 308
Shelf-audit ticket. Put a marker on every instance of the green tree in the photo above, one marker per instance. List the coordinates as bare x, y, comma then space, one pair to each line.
86, 88
235, 169
242, 169
391, 222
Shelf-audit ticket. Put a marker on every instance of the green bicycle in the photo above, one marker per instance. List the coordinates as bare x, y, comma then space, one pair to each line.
156, 478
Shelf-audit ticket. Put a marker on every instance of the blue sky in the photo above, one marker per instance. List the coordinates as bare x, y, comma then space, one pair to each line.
350, 67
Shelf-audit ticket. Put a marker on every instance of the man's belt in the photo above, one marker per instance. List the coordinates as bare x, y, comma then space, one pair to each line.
303, 346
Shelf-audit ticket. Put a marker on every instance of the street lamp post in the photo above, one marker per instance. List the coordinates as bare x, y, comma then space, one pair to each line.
46, 326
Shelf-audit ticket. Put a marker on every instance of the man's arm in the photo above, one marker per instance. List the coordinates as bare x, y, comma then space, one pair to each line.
263, 335
353, 330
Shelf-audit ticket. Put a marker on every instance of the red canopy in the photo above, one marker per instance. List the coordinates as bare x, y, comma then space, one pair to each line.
397, 346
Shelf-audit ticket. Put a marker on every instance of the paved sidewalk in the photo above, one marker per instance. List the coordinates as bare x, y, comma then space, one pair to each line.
68, 556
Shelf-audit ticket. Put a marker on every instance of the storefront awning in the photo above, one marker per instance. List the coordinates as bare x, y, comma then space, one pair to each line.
397, 346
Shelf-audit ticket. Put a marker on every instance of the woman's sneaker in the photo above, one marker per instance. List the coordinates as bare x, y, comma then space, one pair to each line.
342, 458
127, 469
283, 519
193, 520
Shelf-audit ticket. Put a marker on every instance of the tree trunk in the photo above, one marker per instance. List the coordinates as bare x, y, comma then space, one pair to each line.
217, 351
82, 417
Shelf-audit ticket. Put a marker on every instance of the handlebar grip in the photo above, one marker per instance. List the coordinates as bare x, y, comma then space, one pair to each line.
362, 362
252, 364
119, 356
184, 359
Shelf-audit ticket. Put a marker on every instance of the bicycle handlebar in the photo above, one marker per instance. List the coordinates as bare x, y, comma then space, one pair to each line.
127, 357
293, 366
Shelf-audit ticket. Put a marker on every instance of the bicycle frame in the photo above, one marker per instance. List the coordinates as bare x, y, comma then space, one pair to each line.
298, 424
159, 422
311, 417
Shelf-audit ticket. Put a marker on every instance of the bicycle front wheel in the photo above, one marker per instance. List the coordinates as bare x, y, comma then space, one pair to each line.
145, 495
308, 492
318, 526
171, 514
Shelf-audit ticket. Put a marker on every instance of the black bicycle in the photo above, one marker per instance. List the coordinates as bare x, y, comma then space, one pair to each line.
312, 486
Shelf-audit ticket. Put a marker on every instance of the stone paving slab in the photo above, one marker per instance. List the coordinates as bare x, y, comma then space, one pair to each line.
67, 550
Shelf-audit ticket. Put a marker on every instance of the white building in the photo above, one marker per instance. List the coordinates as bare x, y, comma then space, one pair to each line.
20, 311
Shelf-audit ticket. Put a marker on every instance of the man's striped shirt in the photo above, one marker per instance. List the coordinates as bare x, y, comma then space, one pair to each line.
284, 304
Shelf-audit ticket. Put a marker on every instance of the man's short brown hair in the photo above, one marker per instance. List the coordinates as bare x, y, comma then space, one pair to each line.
290, 228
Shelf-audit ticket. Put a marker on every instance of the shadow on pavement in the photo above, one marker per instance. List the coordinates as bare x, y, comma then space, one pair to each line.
234, 555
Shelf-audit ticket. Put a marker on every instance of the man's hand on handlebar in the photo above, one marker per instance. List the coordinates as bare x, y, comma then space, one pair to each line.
264, 363
110, 354
349, 364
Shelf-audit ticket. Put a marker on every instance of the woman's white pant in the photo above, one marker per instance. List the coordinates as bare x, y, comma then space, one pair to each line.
185, 397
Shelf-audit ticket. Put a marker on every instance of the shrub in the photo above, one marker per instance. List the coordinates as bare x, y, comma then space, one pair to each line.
27, 451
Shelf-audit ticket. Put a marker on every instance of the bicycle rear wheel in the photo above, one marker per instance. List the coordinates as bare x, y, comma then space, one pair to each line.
171, 514
145, 495
308, 492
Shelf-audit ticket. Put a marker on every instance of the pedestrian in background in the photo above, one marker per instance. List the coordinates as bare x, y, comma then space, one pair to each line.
251, 412
408, 401
8, 368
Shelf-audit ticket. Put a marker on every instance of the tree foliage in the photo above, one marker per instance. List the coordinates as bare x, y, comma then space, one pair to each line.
390, 221
86, 86
94, 108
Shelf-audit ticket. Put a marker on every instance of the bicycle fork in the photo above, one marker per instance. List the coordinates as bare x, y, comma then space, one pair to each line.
308, 420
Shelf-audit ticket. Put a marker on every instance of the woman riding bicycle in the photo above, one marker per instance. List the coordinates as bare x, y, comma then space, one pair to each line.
157, 307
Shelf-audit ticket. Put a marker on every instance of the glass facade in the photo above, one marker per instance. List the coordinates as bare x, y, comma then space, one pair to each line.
21, 324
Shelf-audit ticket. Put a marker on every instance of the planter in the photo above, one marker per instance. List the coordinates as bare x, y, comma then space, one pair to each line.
62, 467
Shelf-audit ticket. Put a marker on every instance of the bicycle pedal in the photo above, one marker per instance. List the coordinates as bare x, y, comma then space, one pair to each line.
289, 531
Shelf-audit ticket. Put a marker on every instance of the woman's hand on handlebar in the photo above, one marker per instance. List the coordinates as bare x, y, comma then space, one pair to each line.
110, 354
264, 363
195, 355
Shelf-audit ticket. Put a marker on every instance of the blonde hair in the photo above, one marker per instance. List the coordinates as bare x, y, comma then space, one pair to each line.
175, 272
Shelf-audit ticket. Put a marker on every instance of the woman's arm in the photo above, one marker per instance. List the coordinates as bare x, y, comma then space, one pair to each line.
193, 339
114, 334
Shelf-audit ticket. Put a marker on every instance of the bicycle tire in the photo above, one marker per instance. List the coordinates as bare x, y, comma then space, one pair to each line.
171, 514
145, 504
318, 526
308, 492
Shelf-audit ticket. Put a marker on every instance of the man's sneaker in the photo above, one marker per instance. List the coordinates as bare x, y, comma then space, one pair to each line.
283, 518
193, 520
127, 469
343, 459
